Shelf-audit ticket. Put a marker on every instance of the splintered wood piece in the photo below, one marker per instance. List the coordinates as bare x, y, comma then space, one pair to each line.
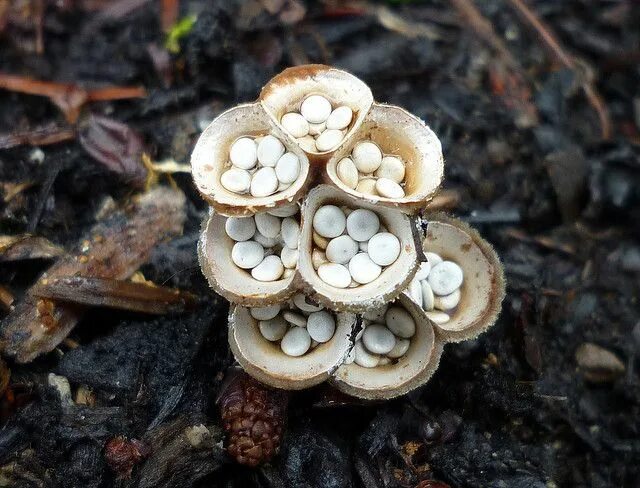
106, 292
26, 246
115, 248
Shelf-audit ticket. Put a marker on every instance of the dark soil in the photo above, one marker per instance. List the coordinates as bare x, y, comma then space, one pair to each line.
525, 163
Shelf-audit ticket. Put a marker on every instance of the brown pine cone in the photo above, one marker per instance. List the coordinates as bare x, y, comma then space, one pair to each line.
253, 416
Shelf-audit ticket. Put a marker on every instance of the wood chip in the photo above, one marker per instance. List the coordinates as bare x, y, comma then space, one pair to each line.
106, 292
26, 246
114, 248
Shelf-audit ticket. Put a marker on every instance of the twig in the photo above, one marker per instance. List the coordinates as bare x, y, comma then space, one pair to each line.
553, 46
484, 29
507, 76
39, 22
543, 241
67, 96
168, 14
409, 28
387, 18
115, 93
40, 136
344, 9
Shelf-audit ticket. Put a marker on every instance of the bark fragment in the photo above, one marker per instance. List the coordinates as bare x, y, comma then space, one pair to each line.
115, 248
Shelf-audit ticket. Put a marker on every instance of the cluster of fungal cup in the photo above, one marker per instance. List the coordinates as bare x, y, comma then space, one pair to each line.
320, 234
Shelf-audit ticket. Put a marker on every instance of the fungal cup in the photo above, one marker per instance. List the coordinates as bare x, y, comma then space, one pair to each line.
413, 369
265, 360
393, 279
211, 158
287, 91
483, 288
233, 283
397, 133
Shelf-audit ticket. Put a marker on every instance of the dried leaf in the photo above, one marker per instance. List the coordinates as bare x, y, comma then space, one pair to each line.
116, 146
114, 248
123, 454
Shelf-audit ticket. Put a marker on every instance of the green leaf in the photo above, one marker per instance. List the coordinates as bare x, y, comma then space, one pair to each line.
179, 30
